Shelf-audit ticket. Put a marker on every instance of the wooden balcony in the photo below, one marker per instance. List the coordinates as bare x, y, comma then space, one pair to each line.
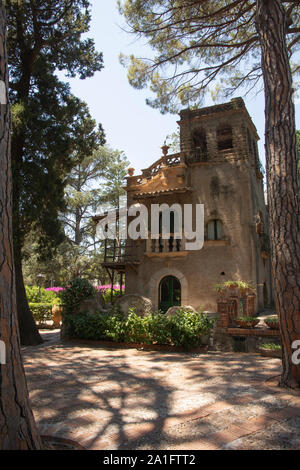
119, 255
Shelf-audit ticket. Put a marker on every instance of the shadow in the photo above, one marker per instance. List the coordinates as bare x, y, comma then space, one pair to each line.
129, 399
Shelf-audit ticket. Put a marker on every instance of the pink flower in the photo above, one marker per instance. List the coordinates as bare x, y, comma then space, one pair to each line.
55, 289
108, 287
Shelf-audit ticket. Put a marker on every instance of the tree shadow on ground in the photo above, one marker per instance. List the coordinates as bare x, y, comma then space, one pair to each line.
122, 398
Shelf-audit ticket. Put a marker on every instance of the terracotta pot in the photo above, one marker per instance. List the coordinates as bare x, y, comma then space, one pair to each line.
270, 352
246, 324
273, 325
56, 315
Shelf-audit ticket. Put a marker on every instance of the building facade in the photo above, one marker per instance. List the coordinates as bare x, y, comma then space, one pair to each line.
218, 166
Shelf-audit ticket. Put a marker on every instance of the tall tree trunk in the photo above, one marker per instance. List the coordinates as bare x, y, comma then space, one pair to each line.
17, 427
29, 333
282, 179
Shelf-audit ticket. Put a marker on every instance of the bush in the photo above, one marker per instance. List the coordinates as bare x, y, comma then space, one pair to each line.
41, 312
247, 318
187, 327
182, 329
271, 346
272, 319
106, 293
75, 292
37, 294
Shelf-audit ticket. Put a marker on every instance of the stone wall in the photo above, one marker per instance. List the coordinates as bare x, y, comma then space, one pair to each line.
231, 190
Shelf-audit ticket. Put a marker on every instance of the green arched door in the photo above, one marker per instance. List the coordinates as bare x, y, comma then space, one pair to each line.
169, 293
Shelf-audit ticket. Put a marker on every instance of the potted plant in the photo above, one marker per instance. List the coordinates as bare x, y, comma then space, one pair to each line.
244, 288
247, 322
270, 350
230, 284
56, 312
220, 289
131, 171
272, 322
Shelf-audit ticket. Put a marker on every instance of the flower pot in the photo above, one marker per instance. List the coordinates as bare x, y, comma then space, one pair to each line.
270, 352
246, 323
273, 325
56, 315
204, 340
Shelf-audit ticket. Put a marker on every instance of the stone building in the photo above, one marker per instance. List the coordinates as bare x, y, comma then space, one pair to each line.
218, 166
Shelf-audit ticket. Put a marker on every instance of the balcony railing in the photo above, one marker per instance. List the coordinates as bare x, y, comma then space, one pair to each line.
164, 246
197, 156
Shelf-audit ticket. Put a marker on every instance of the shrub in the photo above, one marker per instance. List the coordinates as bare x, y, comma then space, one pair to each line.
182, 329
247, 318
75, 292
106, 293
37, 294
272, 319
271, 346
41, 312
187, 327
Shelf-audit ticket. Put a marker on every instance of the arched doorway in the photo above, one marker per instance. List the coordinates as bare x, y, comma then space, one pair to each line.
169, 293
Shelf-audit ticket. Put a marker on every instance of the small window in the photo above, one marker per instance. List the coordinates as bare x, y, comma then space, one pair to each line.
199, 141
224, 138
214, 230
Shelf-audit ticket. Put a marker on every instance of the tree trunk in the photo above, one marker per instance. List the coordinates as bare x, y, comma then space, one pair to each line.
282, 179
17, 427
29, 333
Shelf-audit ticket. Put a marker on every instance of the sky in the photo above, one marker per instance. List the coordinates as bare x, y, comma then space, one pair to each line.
129, 123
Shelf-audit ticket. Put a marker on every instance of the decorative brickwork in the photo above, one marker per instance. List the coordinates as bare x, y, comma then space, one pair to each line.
250, 305
223, 313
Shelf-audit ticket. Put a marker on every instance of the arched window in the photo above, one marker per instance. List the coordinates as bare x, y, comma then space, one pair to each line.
214, 230
224, 138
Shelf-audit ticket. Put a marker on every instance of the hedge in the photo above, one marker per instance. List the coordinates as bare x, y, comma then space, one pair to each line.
182, 329
41, 312
37, 294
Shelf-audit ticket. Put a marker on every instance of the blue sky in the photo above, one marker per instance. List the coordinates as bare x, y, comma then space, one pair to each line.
130, 124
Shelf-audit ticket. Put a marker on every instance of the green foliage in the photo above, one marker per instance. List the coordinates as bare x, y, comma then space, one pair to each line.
107, 295
41, 311
97, 179
247, 319
37, 294
77, 290
114, 178
185, 328
198, 46
173, 140
52, 129
240, 285
273, 319
220, 288
271, 346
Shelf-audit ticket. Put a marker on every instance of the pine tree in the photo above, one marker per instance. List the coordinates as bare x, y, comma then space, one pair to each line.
17, 427
49, 124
